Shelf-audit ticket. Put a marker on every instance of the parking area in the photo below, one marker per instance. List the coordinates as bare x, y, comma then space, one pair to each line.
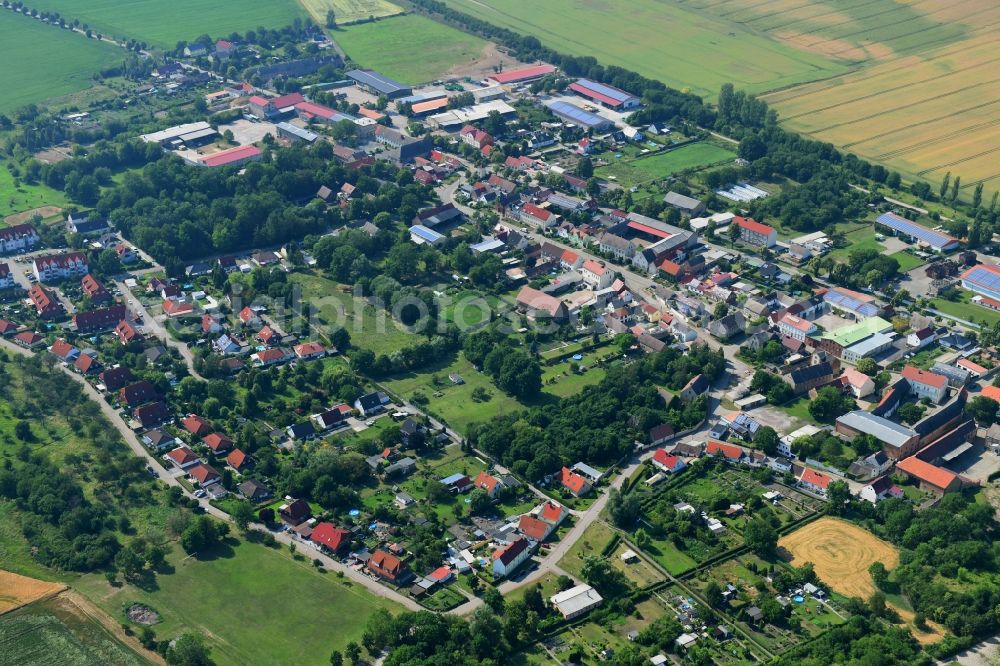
246, 132
977, 464
831, 322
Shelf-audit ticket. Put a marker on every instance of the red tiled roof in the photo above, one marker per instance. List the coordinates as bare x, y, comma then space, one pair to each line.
926, 472
991, 392
203, 473
665, 459
536, 212
486, 482
523, 74
182, 455
334, 538
915, 374
552, 512
510, 553
195, 425
61, 348
571, 480
308, 349
236, 459
753, 225
533, 528
971, 366
232, 155
815, 478
440, 574
217, 441
730, 451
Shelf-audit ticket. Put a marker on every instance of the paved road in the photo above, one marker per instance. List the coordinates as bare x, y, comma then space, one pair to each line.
156, 328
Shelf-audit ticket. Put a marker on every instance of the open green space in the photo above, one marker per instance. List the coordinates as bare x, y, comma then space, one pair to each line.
369, 327
452, 402
252, 604
907, 261
685, 49
163, 24
859, 239
965, 309
645, 169
410, 48
57, 632
61, 62
593, 541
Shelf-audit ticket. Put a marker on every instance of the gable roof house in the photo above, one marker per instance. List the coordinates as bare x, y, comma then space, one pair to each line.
295, 512
808, 377
46, 306
151, 414
926, 384
218, 442
138, 393
115, 378
670, 464
127, 334
533, 528
507, 559
489, 483
100, 319
388, 567
535, 303
880, 489
204, 475
238, 460
182, 457
254, 490
330, 539
931, 478
370, 403
814, 481
698, 385
575, 483
727, 327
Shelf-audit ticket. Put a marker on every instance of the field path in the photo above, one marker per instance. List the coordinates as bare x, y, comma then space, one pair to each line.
76, 603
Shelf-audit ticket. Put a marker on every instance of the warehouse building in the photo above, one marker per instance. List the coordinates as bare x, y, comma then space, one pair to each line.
983, 279
577, 116
377, 84
523, 75
921, 235
607, 96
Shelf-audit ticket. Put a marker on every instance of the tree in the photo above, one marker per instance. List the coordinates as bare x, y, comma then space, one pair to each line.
943, 190
977, 196
880, 575
189, 650
129, 563
734, 233
838, 494
585, 168
868, 366
624, 509
242, 515
760, 536
766, 440
909, 412
22, 430
713, 594
494, 600
983, 410
829, 404
955, 185
479, 501
331, 19
720, 310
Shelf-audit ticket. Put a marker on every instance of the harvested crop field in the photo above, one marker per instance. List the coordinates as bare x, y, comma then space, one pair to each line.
17, 590
841, 553
349, 11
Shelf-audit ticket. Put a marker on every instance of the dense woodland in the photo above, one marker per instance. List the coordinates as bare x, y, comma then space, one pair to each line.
599, 424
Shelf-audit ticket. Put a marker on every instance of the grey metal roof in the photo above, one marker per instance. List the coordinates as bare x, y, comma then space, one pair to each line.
871, 344
681, 201
377, 81
881, 429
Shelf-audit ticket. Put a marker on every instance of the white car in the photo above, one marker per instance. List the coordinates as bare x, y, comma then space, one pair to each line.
370, 422
199, 493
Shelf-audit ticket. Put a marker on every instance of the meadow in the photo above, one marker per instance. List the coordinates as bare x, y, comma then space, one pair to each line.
349, 11
251, 603
410, 48
62, 62
163, 24
684, 48
19, 197
630, 172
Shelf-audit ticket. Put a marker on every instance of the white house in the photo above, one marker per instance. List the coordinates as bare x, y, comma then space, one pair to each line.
55, 267
507, 559
880, 489
858, 383
755, 233
926, 384
18, 238
921, 338
576, 601
796, 327
596, 275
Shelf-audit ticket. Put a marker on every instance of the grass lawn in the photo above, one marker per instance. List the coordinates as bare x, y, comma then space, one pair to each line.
907, 262
966, 309
410, 48
251, 603
860, 239
61, 62
453, 402
799, 408
348, 11
645, 169
369, 327
669, 556
635, 40
566, 383
593, 541
163, 24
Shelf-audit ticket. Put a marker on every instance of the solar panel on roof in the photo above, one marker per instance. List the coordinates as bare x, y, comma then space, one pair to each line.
576, 114
915, 230
608, 91
984, 277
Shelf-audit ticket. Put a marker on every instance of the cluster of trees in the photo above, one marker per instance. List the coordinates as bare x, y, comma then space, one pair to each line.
414, 357
512, 368
817, 204
830, 403
771, 386
600, 423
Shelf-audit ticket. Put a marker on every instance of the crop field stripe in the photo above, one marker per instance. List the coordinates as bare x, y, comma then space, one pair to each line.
938, 139
910, 106
922, 121
851, 19
908, 34
905, 63
958, 161
884, 91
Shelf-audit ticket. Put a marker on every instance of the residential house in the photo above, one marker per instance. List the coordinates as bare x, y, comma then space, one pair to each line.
814, 481
698, 385
457, 483
596, 274
87, 363
534, 529
101, 319
668, 463
659, 434
922, 338
488, 483
301, 432
28, 339
370, 403
330, 539
294, 512
388, 567
254, 490
269, 357
925, 384
46, 305
727, 327
137, 393
506, 560
94, 291
808, 377
880, 489
158, 439
537, 304
218, 442
239, 461
755, 233
18, 238
196, 425
151, 414
309, 350
796, 327
204, 475
56, 267
575, 483
182, 457
116, 378
858, 383
64, 351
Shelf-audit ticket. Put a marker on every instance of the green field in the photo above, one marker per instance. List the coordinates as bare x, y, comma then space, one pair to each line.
967, 310
251, 603
410, 48
349, 11
667, 41
62, 62
22, 197
645, 169
57, 632
163, 24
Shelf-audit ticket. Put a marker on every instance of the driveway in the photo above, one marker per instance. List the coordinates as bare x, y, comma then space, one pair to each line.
156, 328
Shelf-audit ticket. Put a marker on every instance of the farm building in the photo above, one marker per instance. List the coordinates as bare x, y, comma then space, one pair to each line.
188, 135
470, 115
609, 96
294, 134
421, 235
523, 75
237, 156
378, 84
859, 306
897, 441
930, 477
921, 235
576, 601
983, 279
577, 116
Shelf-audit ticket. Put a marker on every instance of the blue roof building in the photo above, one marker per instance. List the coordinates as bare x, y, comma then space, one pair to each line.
934, 239
421, 235
983, 279
577, 116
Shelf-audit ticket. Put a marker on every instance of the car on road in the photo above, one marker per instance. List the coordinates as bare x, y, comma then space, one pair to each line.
199, 493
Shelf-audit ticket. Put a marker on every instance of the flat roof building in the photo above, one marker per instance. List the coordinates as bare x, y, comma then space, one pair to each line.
576, 601
379, 84
605, 95
472, 114
577, 116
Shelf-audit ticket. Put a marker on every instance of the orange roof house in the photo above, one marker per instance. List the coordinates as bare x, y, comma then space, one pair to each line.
489, 483
930, 477
573, 482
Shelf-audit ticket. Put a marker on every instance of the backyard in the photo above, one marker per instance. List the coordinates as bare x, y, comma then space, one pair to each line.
641, 170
